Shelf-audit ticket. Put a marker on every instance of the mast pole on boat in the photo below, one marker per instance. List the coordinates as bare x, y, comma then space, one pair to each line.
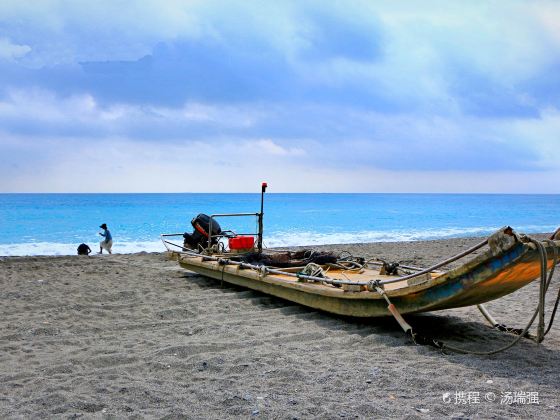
261, 214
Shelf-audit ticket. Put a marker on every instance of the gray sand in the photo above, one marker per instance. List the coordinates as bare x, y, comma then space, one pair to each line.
136, 336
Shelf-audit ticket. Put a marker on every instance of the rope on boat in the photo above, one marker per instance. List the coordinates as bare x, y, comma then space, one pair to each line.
555, 251
345, 259
502, 327
542, 290
314, 270
223, 262
545, 280
419, 271
262, 270
339, 282
347, 265
439, 265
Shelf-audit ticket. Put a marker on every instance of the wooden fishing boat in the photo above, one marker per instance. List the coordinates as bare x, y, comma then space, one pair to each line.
355, 287
345, 290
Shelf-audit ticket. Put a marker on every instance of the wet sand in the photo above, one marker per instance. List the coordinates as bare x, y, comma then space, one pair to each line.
136, 336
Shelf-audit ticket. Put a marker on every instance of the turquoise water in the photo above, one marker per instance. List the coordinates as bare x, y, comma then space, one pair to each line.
54, 224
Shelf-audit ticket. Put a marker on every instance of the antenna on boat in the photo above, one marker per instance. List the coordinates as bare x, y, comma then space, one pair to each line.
261, 214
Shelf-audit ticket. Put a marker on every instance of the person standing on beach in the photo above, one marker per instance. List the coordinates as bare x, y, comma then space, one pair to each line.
107, 242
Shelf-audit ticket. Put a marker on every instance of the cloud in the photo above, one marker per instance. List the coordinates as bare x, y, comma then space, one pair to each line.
317, 88
267, 146
344, 137
383, 57
338, 34
543, 134
123, 165
41, 113
10, 51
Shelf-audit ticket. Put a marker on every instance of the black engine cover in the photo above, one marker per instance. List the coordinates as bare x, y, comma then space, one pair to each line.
201, 225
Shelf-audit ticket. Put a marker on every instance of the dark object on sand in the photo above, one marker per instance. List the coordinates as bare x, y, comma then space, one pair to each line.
83, 249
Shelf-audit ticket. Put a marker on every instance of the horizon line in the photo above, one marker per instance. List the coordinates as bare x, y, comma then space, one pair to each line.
282, 192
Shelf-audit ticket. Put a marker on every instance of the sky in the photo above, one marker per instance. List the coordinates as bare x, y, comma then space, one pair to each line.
310, 96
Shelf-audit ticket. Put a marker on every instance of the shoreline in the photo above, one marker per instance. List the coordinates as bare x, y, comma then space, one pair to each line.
135, 335
353, 245
276, 239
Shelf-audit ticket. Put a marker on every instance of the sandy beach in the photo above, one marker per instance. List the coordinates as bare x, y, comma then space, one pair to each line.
135, 335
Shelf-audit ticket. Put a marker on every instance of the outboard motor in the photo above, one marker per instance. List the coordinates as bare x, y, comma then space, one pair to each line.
201, 225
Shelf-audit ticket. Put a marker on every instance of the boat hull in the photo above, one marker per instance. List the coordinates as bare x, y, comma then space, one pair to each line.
483, 279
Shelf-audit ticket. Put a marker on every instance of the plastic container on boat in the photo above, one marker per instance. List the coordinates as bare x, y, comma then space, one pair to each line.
241, 243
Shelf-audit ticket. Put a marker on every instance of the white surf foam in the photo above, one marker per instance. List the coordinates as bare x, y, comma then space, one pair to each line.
51, 248
275, 239
282, 239
295, 238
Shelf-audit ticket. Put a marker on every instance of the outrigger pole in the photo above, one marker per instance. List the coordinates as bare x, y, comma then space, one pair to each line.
261, 214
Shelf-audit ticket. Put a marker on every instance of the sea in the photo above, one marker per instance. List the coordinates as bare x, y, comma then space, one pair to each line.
55, 224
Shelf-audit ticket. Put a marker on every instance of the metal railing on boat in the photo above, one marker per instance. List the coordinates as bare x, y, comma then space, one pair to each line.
224, 234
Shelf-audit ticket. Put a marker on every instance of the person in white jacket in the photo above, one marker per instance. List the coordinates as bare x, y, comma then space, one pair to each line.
107, 242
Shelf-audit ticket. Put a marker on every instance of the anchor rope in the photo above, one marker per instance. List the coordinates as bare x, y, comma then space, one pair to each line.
555, 252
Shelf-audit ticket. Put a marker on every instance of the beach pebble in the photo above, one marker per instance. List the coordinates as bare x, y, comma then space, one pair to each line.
489, 381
